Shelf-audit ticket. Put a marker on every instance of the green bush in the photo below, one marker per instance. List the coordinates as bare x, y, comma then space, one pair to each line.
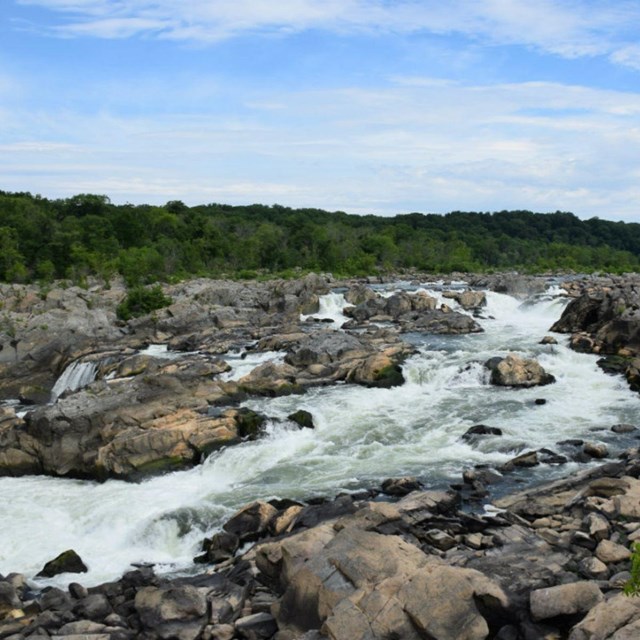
632, 586
142, 300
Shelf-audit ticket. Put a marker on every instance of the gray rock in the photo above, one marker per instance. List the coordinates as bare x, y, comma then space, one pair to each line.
172, 609
257, 626
564, 599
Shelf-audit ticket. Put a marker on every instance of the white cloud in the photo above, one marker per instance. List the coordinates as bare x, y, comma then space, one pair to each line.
628, 56
417, 145
567, 28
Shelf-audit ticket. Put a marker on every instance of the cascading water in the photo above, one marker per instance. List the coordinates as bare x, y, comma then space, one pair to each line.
361, 437
76, 376
331, 306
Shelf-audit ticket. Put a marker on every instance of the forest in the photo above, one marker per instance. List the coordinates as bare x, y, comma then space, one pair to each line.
86, 235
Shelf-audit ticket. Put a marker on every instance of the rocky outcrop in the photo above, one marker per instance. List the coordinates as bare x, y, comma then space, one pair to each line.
371, 359
128, 428
416, 312
605, 319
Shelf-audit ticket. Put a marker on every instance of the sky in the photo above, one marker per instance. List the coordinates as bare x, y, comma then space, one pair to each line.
363, 106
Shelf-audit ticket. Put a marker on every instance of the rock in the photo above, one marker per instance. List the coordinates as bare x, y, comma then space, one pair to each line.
593, 569
597, 526
481, 475
356, 580
221, 546
256, 626
528, 459
417, 503
438, 321
302, 418
250, 522
513, 371
422, 301
55, 599
173, 611
9, 599
379, 371
468, 300
359, 294
548, 340
326, 347
472, 434
82, 628
219, 632
608, 618
94, 607
611, 552
440, 539
284, 520
596, 449
67, 562
623, 428
400, 486
565, 599
442, 602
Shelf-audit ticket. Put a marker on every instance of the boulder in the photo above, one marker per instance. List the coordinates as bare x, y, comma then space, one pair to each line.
443, 602
514, 371
250, 522
610, 552
172, 612
401, 486
359, 293
609, 620
468, 300
220, 547
67, 562
302, 418
564, 600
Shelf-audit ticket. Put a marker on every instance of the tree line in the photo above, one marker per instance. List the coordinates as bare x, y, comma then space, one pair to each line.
86, 235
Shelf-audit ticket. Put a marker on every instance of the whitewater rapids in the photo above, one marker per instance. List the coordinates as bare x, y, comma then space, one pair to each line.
361, 437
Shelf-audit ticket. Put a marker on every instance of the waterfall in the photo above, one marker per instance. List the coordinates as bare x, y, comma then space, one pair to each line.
76, 376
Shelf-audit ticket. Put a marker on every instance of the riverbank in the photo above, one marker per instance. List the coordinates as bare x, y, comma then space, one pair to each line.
549, 562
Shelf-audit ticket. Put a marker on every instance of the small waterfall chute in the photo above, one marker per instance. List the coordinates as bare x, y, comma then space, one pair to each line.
76, 376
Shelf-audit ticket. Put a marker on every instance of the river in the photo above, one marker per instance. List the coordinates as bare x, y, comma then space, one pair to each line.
362, 436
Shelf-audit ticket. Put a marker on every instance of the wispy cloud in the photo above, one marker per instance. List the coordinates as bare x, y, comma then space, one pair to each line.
414, 146
568, 28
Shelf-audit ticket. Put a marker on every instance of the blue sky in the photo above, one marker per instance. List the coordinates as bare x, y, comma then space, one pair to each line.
364, 106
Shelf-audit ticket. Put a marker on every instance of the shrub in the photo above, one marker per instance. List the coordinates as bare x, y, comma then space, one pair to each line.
142, 300
632, 586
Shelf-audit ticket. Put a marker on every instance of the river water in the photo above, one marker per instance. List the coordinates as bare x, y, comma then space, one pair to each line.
361, 437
